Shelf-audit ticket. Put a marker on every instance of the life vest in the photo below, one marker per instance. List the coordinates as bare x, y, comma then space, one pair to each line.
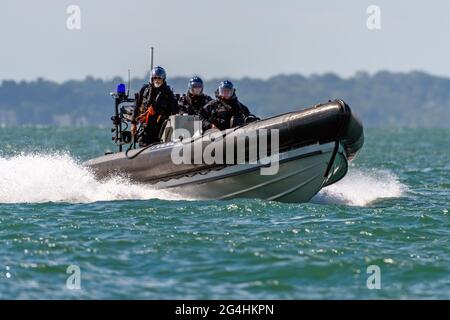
147, 111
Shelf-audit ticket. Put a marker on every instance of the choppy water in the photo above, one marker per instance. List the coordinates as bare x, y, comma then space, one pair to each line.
131, 241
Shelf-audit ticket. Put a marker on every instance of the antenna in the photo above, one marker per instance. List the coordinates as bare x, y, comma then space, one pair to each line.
151, 63
129, 82
151, 57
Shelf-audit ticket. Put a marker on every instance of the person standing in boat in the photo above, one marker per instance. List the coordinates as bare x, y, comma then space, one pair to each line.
154, 104
226, 111
194, 100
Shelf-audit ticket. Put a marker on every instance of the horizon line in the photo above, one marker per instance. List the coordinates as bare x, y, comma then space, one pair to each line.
282, 74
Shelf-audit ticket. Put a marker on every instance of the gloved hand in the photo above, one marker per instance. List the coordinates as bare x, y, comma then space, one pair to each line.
222, 122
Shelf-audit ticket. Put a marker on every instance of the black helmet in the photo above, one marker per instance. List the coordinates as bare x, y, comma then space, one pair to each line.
158, 72
195, 82
226, 89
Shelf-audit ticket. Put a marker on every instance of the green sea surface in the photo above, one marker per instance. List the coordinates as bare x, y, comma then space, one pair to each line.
131, 241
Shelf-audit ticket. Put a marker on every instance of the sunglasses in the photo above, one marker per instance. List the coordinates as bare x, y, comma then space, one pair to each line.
157, 78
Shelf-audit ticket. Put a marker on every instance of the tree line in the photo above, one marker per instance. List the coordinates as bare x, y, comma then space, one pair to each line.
384, 99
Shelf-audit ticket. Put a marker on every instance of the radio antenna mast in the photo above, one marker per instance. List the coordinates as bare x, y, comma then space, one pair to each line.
151, 62
129, 82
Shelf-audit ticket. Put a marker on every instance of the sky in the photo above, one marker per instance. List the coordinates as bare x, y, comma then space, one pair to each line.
233, 38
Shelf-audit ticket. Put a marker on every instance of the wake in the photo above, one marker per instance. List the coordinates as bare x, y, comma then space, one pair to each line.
362, 187
60, 178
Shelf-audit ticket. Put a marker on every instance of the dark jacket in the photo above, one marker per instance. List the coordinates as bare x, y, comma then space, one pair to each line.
220, 113
162, 99
192, 104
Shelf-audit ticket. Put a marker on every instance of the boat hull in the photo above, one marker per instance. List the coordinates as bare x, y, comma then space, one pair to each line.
301, 174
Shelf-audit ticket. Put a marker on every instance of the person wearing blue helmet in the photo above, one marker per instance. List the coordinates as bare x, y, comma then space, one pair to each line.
226, 111
195, 99
154, 104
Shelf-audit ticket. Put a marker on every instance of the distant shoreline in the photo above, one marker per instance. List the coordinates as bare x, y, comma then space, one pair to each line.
383, 99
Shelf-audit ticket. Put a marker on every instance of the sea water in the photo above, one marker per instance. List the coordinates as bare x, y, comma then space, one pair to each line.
65, 235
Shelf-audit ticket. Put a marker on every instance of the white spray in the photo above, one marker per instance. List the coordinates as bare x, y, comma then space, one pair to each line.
60, 178
362, 187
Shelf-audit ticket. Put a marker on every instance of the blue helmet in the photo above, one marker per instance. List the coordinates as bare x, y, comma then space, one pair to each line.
226, 84
226, 89
159, 72
195, 82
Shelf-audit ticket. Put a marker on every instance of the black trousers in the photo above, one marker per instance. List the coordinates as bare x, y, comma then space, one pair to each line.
150, 134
